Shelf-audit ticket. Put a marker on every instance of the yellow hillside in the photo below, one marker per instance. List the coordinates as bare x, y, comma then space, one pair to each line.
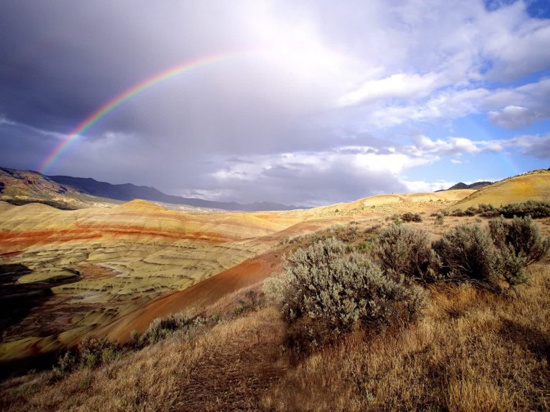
530, 186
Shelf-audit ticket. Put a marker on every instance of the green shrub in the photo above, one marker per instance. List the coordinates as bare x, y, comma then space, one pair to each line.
325, 293
521, 236
161, 328
467, 253
520, 244
535, 209
90, 353
405, 251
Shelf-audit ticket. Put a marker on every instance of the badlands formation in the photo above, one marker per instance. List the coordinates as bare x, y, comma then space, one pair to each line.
114, 268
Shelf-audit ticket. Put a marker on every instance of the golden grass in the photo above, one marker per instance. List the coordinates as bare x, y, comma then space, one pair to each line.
529, 186
472, 351
233, 364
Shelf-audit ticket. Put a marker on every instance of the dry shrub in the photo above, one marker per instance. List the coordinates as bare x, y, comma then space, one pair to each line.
161, 328
535, 209
491, 257
411, 217
405, 251
325, 293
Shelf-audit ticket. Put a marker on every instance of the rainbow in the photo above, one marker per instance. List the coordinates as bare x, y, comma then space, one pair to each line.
129, 93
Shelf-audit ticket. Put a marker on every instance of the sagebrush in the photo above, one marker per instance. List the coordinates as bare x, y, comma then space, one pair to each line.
326, 293
404, 251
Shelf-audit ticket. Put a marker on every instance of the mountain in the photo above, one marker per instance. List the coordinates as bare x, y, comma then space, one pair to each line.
66, 192
129, 191
474, 186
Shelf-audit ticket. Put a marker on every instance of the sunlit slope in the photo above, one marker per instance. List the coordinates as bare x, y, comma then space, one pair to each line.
194, 298
389, 204
530, 186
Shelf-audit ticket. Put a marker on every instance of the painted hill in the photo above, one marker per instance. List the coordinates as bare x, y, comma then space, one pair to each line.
529, 186
130, 191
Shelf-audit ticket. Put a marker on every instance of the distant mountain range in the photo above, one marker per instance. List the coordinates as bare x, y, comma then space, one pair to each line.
130, 191
23, 186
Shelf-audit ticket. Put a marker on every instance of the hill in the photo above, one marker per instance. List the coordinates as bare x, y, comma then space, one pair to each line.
107, 272
528, 186
19, 187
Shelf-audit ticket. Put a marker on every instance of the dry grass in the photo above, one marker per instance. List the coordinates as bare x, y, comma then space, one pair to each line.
230, 367
473, 350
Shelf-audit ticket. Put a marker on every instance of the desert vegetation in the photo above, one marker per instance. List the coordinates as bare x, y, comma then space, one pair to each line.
326, 292
532, 208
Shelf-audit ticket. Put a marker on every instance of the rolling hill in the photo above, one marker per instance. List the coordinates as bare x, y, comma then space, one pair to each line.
528, 186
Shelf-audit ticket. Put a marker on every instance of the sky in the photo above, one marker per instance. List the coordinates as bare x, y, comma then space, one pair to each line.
303, 103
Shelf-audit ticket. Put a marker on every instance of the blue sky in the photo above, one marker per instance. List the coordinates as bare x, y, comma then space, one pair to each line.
343, 100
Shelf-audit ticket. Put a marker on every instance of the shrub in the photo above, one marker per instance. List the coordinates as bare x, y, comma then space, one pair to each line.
521, 236
457, 213
411, 217
325, 293
159, 329
252, 301
485, 208
90, 353
535, 209
467, 253
405, 251
471, 211
520, 244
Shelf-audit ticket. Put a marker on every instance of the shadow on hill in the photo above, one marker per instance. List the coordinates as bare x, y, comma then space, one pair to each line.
17, 300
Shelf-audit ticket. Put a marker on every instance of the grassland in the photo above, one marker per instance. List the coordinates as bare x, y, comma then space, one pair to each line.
472, 350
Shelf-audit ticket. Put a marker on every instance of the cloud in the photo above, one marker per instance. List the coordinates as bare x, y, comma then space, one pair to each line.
511, 117
321, 108
313, 178
398, 85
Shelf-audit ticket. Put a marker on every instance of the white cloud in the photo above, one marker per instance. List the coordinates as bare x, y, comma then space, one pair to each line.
398, 85
423, 186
